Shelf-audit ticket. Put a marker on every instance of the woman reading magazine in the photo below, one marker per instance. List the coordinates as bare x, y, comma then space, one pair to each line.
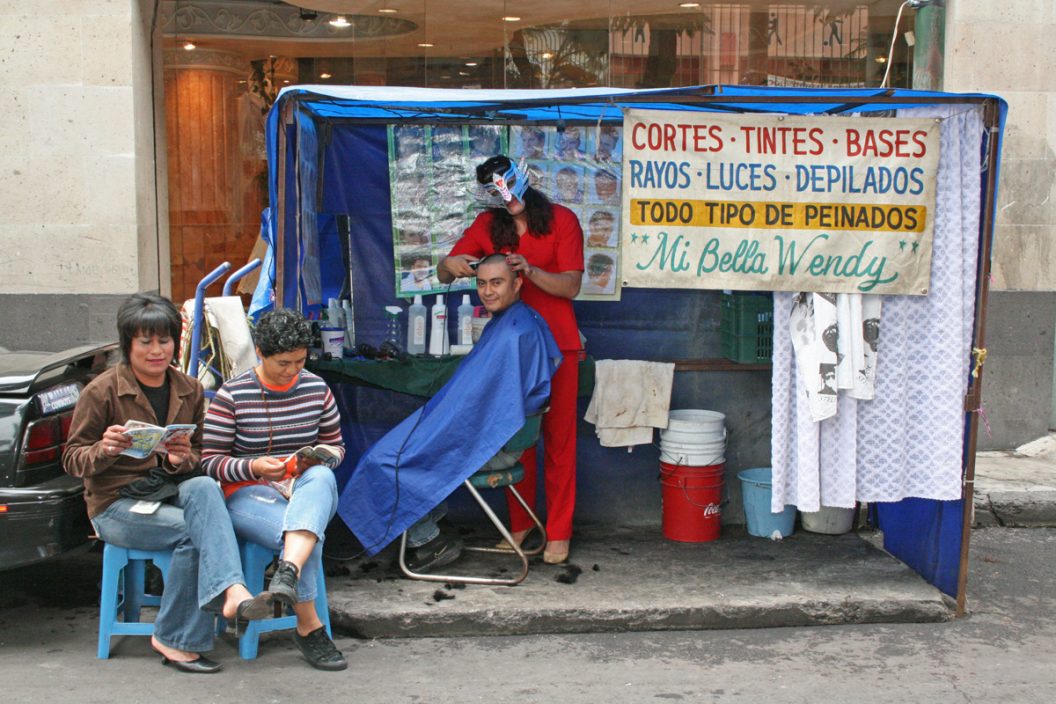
158, 500
272, 438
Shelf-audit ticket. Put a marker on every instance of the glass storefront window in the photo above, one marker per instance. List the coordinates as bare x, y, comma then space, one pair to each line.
225, 61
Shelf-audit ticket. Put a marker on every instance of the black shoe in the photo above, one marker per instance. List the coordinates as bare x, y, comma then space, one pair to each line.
201, 666
441, 550
283, 584
319, 650
254, 608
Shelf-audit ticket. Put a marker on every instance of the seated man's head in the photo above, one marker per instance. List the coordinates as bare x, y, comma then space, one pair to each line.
498, 286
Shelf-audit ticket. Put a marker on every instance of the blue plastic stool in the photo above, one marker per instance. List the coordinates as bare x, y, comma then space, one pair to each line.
255, 560
122, 593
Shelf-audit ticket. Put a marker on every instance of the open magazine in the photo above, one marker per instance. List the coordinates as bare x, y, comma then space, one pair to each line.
146, 438
314, 454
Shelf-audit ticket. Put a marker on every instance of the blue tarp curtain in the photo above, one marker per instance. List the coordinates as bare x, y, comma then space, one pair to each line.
349, 124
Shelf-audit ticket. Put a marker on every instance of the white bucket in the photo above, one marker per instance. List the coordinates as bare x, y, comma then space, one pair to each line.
702, 445
693, 454
333, 341
690, 426
691, 459
696, 420
830, 520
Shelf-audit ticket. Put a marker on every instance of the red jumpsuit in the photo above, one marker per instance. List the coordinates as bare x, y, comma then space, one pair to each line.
561, 250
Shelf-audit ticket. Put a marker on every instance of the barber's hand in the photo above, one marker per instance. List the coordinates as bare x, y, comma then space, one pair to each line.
114, 441
178, 449
270, 468
517, 262
458, 266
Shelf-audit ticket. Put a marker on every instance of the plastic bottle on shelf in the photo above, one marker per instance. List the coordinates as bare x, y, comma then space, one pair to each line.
439, 342
465, 321
393, 331
416, 327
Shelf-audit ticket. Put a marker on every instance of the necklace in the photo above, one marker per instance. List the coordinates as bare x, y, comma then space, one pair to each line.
267, 411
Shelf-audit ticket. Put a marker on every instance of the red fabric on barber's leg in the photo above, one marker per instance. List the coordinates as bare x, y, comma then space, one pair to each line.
559, 446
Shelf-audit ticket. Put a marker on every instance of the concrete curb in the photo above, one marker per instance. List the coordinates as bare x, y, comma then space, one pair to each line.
1017, 489
635, 580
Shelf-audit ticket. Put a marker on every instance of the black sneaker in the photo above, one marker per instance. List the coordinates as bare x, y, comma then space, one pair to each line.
283, 585
319, 650
441, 550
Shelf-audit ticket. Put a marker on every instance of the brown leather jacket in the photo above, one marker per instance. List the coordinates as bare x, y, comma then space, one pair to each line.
114, 398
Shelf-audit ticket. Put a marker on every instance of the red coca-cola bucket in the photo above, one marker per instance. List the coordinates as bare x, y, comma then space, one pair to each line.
691, 501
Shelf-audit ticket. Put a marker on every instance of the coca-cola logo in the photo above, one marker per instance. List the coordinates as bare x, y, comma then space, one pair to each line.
712, 510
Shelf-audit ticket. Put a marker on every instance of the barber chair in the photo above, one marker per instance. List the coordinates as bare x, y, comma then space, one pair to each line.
502, 471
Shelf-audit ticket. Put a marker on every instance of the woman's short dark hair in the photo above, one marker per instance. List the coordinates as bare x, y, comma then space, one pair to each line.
146, 313
280, 331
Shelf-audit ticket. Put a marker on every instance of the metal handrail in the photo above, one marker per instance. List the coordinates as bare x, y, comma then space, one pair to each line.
199, 315
239, 273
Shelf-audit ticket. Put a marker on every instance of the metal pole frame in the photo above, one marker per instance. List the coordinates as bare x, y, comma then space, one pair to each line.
707, 95
278, 210
973, 398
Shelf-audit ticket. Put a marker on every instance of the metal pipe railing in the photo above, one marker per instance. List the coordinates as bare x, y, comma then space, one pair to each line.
199, 315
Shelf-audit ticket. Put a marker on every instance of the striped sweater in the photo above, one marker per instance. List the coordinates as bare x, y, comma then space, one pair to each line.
244, 414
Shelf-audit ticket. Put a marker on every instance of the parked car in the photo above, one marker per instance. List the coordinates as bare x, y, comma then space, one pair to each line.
42, 510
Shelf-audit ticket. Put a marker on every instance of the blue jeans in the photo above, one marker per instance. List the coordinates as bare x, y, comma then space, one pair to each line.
205, 562
261, 515
426, 528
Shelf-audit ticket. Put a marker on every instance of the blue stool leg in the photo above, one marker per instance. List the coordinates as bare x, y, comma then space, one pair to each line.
135, 584
122, 593
255, 559
114, 561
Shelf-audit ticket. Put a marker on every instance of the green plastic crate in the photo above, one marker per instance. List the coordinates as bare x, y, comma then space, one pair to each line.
747, 327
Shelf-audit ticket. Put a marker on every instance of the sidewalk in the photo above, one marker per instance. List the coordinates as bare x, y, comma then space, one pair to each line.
633, 579
1017, 488
636, 580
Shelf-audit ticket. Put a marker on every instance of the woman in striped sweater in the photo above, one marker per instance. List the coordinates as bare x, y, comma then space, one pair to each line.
279, 497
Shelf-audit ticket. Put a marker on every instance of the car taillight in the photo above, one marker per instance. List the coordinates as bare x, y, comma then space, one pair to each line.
43, 441
64, 421
44, 433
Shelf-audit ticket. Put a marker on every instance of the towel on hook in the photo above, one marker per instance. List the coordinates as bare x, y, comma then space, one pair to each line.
630, 399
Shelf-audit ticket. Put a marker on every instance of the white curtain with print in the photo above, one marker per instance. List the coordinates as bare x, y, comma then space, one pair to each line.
907, 442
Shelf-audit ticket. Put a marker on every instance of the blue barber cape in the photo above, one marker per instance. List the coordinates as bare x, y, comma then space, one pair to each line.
502, 381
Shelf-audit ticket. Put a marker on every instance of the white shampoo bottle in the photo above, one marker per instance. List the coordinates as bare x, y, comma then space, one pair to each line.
416, 327
439, 342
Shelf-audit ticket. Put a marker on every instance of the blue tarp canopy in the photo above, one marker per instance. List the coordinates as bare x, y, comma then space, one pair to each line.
396, 104
332, 142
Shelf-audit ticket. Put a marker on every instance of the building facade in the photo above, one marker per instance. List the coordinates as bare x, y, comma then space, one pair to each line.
133, 145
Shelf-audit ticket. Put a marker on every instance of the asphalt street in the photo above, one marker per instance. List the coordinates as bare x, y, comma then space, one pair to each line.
1004, 651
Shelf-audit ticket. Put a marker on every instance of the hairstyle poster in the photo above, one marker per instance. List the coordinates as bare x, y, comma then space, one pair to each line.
580, 167
432, 197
